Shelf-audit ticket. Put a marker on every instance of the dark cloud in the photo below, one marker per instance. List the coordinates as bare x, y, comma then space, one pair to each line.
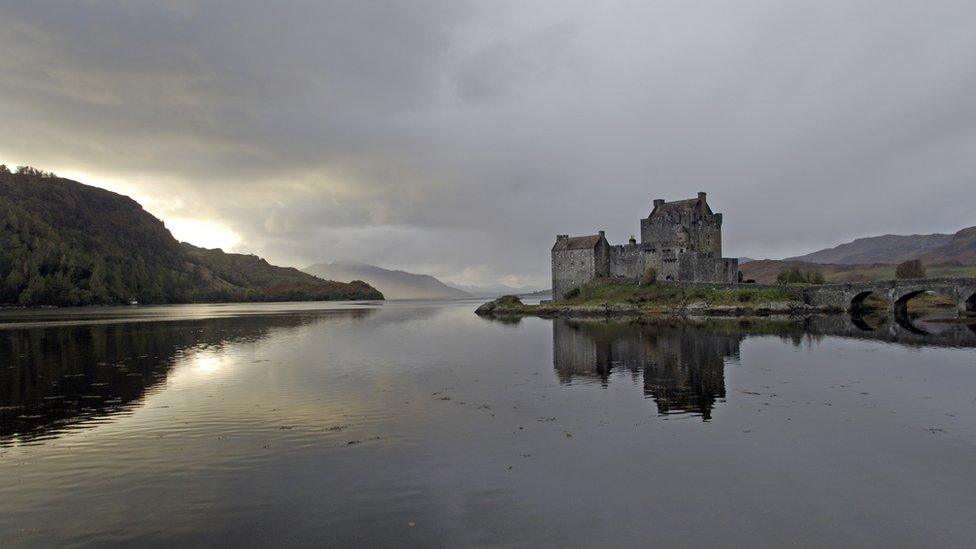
459, 137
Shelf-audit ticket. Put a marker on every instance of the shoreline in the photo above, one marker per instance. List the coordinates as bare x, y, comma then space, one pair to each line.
653, 303
500, 308
7, 307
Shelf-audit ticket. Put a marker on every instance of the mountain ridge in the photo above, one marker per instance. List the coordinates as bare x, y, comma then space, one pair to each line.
875, 258
887, 249
957, 249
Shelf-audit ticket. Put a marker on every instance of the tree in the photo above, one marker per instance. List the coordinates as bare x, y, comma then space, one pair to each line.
912, 268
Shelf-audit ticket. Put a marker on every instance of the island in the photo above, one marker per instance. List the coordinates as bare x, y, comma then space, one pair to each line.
678, 268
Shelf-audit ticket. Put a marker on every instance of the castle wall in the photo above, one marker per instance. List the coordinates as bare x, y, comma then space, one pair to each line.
626, 261
629, 261
704, 267
712, 235
666, 265
601, 258
570, 269
702, 233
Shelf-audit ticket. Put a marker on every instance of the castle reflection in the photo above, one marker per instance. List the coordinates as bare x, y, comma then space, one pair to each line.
682, 365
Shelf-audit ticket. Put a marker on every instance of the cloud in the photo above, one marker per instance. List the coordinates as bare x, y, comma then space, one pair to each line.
459, 137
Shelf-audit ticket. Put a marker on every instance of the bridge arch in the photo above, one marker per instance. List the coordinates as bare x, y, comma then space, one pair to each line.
901, 304
857, 302
971, 304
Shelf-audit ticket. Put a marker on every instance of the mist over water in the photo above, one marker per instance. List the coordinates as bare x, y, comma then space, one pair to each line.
419, 424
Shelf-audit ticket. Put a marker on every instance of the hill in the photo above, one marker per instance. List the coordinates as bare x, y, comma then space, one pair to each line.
875, 258
64, 243
889, 249
394, 284
959, 250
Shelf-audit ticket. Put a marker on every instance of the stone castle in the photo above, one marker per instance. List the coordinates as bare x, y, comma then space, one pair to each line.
681, 240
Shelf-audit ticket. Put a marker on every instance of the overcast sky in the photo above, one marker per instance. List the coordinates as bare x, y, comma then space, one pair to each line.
457, 138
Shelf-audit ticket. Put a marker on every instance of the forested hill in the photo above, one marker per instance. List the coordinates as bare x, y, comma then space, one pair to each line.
65, 243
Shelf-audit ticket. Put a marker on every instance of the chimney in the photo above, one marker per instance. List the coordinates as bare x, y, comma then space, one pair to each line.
701, 196
561, 237
633, 240
658, 202
603, 234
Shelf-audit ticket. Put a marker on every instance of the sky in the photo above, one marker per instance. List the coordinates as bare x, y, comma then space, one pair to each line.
458, 138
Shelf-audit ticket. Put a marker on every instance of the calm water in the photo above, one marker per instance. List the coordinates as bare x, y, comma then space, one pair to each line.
420, 424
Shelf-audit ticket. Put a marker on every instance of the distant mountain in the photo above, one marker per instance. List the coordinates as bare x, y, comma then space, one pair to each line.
875, 258
497, 290
65, 243
890, 249
744, 260
538, 293
957, 249
394, 284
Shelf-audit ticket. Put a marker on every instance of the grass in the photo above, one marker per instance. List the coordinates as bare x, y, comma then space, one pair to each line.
671, 296
653, 298
887, 272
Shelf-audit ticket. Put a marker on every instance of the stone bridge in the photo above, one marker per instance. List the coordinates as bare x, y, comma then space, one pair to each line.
850, 296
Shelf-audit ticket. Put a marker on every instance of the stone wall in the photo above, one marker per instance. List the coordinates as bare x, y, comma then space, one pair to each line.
704, 267
571, 269
700, 233
626, 261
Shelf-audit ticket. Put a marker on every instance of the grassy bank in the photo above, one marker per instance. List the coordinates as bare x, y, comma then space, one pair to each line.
659, 295
603, 299
652, 299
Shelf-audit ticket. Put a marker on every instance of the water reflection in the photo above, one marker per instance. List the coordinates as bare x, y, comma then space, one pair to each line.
421, 424
928, 331
682, 366
57, 378
681, 363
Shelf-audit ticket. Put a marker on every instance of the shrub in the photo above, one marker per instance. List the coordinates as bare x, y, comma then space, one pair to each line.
509, 300
649, 276
796, 275
912, 268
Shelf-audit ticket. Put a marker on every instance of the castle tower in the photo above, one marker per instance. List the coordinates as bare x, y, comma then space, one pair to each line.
683, 226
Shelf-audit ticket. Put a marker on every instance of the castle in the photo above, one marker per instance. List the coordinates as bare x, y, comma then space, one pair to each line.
681, 240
